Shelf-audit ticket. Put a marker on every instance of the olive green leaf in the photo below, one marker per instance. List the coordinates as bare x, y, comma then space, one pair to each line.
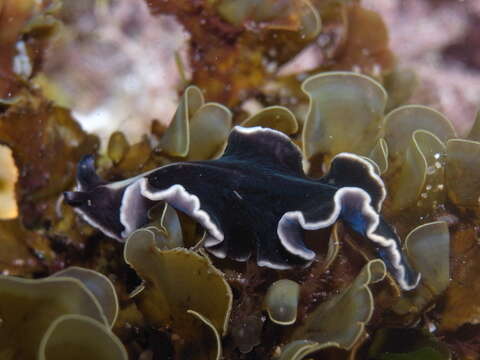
341, 101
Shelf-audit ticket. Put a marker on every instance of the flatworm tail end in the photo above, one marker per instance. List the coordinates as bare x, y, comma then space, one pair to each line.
357, 211
352, 205
360, 197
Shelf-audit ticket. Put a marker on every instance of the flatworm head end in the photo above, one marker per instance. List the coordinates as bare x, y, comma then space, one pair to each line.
95, 201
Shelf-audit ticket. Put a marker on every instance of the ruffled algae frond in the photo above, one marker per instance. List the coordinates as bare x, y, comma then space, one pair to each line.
45, 318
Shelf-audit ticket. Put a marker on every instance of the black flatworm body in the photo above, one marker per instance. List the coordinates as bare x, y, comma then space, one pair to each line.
254, 199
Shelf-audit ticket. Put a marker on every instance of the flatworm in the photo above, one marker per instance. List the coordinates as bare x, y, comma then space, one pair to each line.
255, 197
